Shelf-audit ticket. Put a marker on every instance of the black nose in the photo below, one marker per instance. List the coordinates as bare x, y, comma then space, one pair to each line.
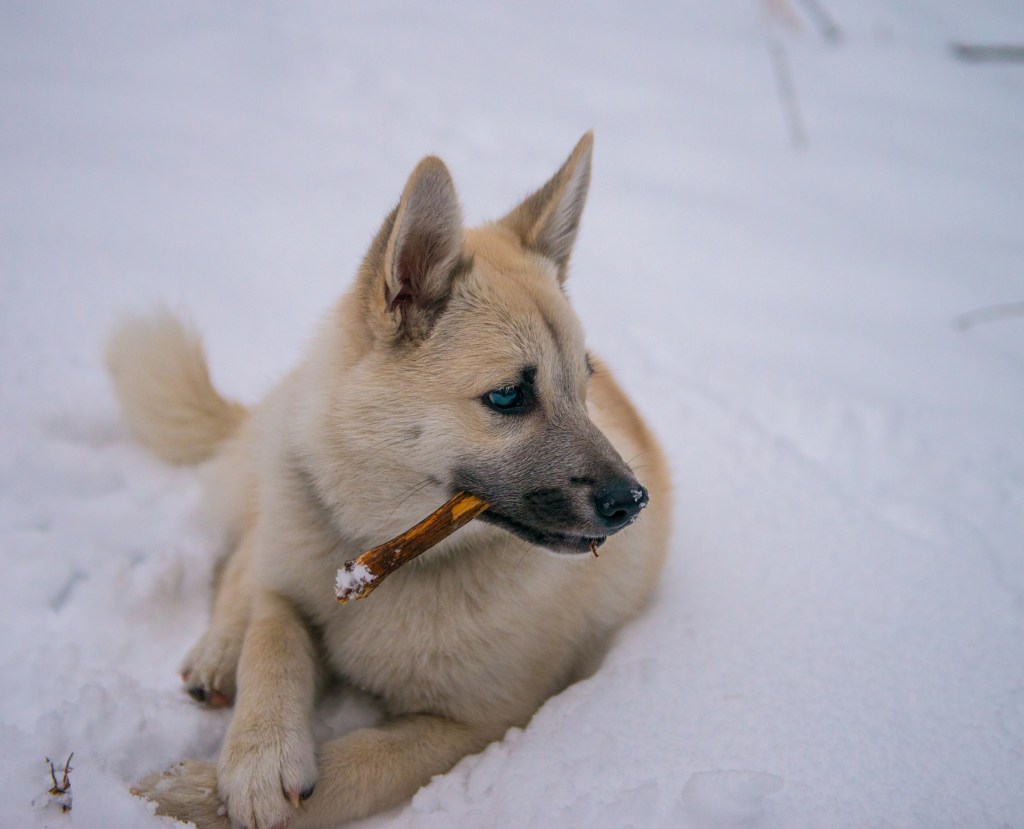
619, 501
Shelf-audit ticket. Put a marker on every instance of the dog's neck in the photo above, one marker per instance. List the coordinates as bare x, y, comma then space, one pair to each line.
349, 513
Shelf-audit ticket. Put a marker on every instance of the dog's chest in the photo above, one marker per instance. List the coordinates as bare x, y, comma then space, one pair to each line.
444, 643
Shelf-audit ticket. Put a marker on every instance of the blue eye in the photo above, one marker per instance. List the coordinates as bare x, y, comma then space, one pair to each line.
506, 399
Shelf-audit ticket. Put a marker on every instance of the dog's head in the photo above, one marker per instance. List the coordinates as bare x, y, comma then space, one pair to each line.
471, 370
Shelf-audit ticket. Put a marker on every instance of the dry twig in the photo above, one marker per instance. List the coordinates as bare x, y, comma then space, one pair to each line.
61, 791
990, 313
358, 578
988, 52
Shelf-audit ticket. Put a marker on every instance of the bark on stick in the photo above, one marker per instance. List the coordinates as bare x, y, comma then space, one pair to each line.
358, 578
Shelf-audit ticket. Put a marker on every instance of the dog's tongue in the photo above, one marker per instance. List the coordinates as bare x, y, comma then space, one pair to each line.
360, 576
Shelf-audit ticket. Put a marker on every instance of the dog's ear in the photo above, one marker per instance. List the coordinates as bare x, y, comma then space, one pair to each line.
548, 220
421, 252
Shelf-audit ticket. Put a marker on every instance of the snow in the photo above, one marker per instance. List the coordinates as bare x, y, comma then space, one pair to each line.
837, 640
352, 579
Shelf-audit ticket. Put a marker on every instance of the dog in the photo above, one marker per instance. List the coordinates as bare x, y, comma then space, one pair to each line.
453, 363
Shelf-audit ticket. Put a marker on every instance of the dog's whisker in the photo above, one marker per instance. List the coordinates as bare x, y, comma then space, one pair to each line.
388, 443
526, 550
409, 494
637, 455
382, 525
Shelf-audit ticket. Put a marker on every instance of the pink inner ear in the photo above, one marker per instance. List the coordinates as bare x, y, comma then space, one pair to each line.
409, 271
414, 261
401, 299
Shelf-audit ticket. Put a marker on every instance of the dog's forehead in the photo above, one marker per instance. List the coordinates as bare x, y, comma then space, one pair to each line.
517, 293
498, 249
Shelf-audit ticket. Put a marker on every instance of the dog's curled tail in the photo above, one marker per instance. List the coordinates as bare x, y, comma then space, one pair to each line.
163, 385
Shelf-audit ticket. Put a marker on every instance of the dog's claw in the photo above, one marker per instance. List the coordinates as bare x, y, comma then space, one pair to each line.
295, 797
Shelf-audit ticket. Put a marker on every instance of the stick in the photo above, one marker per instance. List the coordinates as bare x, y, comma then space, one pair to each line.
358, 578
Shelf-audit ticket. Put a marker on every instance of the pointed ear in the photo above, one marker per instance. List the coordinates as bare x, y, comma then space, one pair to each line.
423, 251
548, 220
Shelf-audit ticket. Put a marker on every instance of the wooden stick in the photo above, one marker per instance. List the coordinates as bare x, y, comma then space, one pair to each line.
358, 578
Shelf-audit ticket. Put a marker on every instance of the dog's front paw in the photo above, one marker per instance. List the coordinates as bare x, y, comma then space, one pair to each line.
209, 669
264, 771
186, 792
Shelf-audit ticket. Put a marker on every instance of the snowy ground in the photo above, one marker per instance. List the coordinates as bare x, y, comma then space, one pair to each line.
838, 639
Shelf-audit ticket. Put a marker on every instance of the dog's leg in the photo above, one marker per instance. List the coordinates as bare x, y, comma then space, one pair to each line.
362, 773
269, 755
210, 668
373, 769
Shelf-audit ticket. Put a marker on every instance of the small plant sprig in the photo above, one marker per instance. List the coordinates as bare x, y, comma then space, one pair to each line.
61, 791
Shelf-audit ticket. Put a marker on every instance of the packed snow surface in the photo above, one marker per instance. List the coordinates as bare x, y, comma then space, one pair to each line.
804, 221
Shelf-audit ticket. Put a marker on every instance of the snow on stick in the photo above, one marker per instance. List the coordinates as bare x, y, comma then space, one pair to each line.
360, 576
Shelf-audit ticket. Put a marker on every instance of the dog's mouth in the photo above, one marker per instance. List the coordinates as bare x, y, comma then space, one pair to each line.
564, 543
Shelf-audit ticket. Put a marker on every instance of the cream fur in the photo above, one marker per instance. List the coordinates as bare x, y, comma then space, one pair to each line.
163, 385
353, 447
